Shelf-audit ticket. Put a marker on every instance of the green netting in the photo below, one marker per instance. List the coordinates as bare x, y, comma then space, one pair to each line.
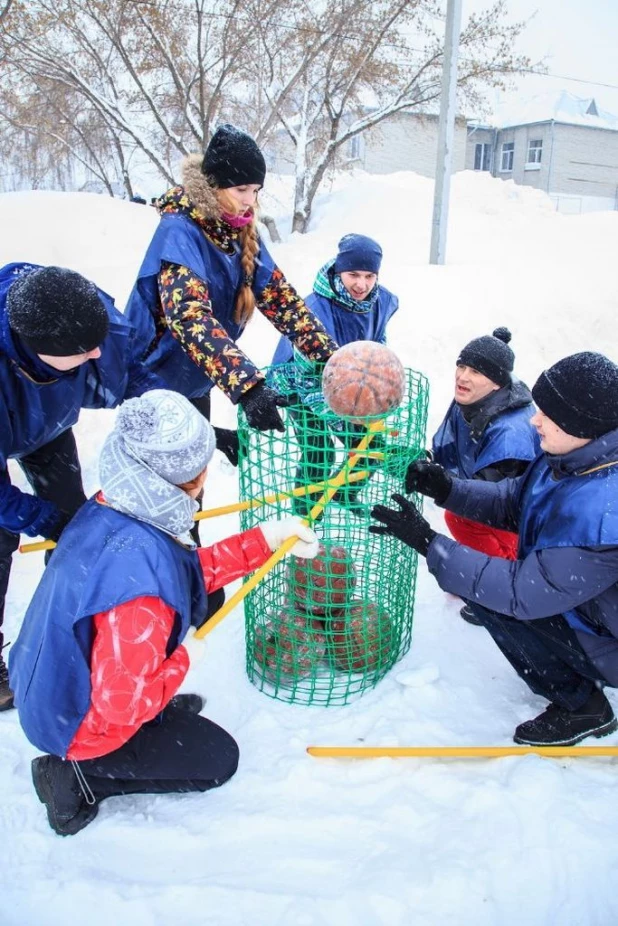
321, 631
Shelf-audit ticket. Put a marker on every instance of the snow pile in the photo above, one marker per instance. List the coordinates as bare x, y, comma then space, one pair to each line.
295, 841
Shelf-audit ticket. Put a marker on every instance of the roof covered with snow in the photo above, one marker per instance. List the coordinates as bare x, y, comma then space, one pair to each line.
563, 107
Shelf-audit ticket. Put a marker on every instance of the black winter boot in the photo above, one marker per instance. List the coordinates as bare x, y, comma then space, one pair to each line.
557, 726
187, 702
469, 615
56, 785
6, 695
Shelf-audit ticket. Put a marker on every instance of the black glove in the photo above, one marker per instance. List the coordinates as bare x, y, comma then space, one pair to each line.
429, 479
260, 405
408, 524
53, 532
227, 442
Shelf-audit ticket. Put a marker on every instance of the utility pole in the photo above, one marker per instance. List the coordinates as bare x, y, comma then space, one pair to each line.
446, 133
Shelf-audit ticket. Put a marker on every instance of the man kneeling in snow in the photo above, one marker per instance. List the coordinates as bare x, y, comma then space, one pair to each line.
105, 643
553, 612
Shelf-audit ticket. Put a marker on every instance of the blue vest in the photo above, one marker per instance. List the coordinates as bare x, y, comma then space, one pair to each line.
34, 413
572, 511
343, 325
178, 240
104, 558
510, 436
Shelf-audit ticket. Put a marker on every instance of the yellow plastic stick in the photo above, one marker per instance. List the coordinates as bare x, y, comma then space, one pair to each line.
276, 497
228, 509
456, 752
35, 547
287, 545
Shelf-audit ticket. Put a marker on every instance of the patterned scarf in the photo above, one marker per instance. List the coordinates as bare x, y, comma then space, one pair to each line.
130, 486
329, 284
220, 232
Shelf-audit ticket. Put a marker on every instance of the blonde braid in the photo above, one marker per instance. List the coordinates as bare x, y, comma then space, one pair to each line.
248, 237
245, 301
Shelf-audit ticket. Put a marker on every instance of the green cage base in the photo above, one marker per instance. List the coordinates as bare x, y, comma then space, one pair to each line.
324, 631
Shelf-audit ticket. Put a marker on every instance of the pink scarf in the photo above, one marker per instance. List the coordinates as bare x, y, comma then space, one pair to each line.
239, 220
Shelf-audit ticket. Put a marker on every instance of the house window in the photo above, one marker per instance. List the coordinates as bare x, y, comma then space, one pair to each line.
508, 152
355, 147
535, 151
482, 156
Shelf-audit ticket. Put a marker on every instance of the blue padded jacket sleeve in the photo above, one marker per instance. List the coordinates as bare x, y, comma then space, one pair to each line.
21, 513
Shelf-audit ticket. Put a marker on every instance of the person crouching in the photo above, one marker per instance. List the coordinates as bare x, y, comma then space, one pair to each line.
106, 641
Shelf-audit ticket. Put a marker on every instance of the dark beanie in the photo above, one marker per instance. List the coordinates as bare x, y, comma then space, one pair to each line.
491, 356
57, 312
233, 159
357, 252
580, 394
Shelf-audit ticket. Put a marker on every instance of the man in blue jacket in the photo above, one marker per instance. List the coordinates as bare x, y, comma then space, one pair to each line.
353, 306
347, 297
63, 347
486, 434
554, 611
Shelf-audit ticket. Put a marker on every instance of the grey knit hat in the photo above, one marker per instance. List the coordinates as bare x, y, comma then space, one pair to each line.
163, 430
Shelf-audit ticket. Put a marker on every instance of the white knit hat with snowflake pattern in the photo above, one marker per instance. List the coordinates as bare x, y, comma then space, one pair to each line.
163, 430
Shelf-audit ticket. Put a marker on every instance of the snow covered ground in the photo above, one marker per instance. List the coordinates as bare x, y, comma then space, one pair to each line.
298, 841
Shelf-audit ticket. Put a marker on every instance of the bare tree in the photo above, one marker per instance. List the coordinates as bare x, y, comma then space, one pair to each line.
149, 78
116, 83
328, 76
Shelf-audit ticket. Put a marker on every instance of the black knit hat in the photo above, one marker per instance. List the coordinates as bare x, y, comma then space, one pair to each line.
580, 394
57, 312
491, 356
233, 159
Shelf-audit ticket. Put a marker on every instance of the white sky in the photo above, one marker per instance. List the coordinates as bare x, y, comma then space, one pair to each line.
576, 39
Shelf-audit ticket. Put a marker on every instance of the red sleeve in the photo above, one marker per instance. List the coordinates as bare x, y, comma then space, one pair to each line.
132, 678
233, 558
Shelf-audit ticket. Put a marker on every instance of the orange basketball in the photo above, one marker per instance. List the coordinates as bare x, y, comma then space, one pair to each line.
363, 379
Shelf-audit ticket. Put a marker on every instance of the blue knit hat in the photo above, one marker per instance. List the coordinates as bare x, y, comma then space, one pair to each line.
357, 252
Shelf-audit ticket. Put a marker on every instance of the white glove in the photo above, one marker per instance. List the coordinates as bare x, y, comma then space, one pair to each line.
195, 647
275, 532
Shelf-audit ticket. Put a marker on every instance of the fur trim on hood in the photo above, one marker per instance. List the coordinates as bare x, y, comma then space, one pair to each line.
202, 195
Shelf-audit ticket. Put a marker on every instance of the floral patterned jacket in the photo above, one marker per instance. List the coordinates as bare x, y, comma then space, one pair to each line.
189, 312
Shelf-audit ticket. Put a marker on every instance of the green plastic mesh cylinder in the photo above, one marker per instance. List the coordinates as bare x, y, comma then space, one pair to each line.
325, 630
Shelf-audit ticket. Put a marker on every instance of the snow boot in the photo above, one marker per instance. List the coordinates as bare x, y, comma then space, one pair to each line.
6, 695
56, 785
557, 726
469, 615
187, 702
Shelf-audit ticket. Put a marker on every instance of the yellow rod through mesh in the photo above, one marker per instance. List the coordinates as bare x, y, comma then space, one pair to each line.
456, 752
286, 546
229, 509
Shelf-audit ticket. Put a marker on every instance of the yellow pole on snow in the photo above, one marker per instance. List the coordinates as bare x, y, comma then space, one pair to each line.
456, 752
333, 484
229, 509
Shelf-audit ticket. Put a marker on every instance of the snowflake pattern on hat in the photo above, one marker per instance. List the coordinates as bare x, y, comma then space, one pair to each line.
159, 442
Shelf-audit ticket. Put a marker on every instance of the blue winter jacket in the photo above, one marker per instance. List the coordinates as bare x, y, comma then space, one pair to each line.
505, 433
344, 325
179, 240
104, 558
37, 403
565, 509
